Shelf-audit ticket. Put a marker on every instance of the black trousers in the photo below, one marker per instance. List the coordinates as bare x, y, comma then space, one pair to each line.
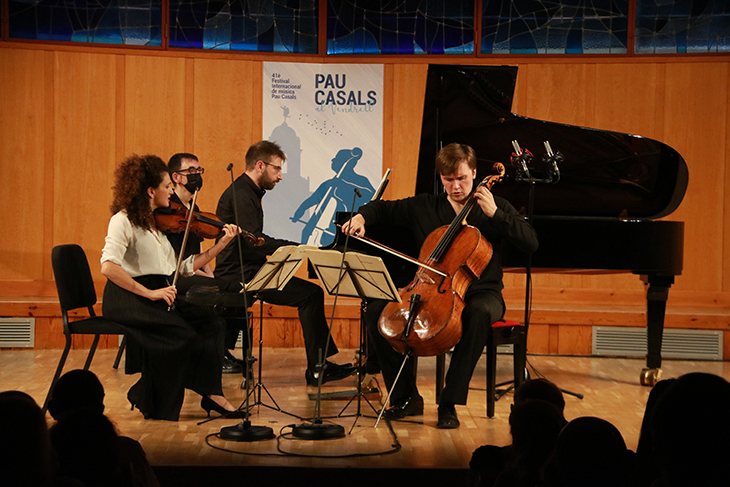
482, 309
235, 319
176, 349
308, 298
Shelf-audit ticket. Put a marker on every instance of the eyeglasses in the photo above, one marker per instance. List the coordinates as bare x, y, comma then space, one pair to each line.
276, 168
191, 170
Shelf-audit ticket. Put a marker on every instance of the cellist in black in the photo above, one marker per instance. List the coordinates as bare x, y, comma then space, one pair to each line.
498, 221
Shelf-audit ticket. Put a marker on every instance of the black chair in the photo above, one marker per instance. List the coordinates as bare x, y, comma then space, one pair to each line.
500, 333
75, 288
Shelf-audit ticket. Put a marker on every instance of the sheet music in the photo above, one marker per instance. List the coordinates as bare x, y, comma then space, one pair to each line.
279, 268
367, 275
381, 187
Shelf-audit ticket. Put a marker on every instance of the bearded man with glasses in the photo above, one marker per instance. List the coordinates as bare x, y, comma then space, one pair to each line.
264, 162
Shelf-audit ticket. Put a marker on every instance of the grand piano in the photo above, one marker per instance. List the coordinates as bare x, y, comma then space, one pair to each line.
601, 214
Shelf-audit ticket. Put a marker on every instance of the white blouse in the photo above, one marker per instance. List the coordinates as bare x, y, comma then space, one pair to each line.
141, 252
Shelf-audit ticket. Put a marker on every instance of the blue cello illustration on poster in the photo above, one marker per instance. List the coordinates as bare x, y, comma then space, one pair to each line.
333, 195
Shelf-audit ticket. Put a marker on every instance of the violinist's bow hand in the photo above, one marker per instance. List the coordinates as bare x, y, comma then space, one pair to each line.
166, 294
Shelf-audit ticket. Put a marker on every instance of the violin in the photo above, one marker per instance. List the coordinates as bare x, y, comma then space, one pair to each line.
206, 225
428, 320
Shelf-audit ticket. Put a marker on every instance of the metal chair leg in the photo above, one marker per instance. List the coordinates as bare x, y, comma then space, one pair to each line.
122, 346
59, 369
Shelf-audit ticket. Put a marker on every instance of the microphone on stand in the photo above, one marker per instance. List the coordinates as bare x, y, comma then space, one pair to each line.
552, 160
244, 431
520, 158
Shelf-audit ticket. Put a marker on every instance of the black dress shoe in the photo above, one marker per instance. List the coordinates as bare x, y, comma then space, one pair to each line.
231, 366
447, 417
410, 406
248, 382
331, 372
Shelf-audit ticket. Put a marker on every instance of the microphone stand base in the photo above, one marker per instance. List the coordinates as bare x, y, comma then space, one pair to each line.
245, 432
318, 431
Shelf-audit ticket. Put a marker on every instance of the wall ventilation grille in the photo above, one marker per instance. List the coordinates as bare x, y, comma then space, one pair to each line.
17, 332
676, 343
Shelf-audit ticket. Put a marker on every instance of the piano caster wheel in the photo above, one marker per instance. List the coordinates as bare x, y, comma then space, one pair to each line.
649, 377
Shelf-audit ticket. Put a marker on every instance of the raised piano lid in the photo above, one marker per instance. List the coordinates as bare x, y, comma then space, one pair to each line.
605, 174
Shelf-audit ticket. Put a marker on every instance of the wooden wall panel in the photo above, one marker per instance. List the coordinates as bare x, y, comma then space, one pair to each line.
155, 105
23, 112
404, 103
625, 99
559, 92
84, 148
726, 207
574, 340
224, 125
694, 125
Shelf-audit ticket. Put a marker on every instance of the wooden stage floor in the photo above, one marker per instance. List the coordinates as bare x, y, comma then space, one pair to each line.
610, 387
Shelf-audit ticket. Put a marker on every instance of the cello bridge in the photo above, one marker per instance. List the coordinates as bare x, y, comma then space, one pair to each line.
424, 277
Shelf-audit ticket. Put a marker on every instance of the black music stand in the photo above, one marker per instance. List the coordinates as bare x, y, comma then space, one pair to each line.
272, 276
360, 276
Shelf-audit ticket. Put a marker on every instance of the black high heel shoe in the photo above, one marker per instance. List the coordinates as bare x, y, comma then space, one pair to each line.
209, 404
132, 398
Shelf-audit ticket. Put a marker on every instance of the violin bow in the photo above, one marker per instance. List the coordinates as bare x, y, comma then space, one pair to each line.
184, 243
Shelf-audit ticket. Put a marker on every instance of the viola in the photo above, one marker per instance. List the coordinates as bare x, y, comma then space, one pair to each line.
207, 225
428, 320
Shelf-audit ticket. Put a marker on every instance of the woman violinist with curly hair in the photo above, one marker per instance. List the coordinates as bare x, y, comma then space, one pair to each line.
174, 348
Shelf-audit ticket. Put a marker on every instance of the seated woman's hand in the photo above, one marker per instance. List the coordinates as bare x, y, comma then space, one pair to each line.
229, 231
165, 293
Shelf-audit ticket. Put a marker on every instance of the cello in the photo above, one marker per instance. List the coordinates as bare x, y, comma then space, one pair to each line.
428, 320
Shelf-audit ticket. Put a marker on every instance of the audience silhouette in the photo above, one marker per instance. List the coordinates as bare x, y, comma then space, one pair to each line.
589, 451
26, 457
535, 422
683, 441
647, 468
86, 442
690, 428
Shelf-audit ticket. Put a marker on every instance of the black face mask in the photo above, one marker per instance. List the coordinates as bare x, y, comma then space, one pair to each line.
195, 182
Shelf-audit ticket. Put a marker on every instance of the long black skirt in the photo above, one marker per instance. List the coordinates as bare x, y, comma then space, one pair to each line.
174, 350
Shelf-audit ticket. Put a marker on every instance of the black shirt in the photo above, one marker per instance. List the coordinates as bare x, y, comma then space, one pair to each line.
251, 215
422, 214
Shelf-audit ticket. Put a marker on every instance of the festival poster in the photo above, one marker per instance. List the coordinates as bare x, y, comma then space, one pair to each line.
328, 119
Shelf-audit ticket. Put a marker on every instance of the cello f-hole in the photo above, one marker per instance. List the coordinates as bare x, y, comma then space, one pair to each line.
438, 289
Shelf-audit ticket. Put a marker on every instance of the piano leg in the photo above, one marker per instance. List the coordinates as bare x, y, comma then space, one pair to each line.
656, 304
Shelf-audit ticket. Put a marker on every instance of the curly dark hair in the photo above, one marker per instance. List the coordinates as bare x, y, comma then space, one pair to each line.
131, 180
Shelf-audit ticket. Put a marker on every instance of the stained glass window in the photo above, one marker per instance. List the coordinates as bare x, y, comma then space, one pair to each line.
554, 26
382, 26
682, 26
129, 22
245, 25
400, 27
